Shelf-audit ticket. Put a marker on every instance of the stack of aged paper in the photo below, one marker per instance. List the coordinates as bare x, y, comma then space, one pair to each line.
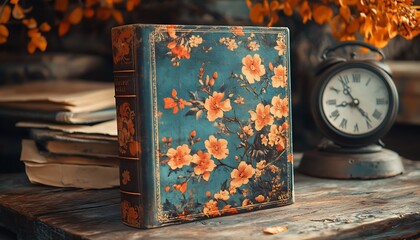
82, 156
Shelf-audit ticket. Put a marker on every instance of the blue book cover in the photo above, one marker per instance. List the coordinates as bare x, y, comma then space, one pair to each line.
204, 121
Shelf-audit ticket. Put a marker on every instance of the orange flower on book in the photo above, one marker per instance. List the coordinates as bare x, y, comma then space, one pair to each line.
290, 158
252, 68
217, 147
275, 137
216, 107
171, 31
204, 165
238, 31
175, 103
179, 157
261, 116
229, 210
280, 107
222, 195
241, 175
281, 46
179, 51
260, 198
211, 208
125, 177
132, 216
279, 79
194, 41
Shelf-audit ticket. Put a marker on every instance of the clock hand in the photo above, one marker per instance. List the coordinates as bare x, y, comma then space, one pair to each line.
344, 104
364, 114
346, 91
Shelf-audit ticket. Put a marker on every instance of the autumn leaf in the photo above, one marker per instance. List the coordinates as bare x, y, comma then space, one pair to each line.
5, 14
257, 13
76, 16
118, 16
61, 5
103, 13
322, 13
131, 4
45, 27
345, 12
30, 23
63, 27
90, 3
17, 12
89, 13
4, 34
275, 229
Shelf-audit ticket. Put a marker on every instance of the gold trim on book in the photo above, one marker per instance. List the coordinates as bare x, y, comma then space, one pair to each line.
130, 193
125, 96
124, 71
128, 158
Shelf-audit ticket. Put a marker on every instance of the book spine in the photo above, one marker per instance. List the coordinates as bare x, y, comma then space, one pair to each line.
126, 79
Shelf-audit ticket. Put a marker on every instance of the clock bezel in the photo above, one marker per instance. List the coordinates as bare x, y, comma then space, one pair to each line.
345, 139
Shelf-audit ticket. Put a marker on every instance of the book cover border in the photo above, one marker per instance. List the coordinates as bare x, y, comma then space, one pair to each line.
162, 217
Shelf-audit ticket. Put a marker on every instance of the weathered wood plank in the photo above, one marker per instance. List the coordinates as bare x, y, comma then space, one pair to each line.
324, 209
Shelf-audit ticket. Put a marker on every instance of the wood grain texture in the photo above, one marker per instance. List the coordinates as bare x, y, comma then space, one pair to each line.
324, 209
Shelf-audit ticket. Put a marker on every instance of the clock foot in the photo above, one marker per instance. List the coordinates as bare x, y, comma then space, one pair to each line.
346, 165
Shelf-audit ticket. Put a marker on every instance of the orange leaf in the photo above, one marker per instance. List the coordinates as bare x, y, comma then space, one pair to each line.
76, 16
17, 12
103, 13
41, 43
31, 47
14, 2
90, 3
34, 33
352, 27
5, 15
45, 27
4, 34
61, 5
305, 11
118, 16
107, 3
288, 9
63, 28
275, 229
338, 26
131, 4
349, 2
89, 12
345, 12
322, 14
257, 13
30, 23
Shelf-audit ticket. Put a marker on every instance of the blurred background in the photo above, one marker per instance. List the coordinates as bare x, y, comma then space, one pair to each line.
47, 39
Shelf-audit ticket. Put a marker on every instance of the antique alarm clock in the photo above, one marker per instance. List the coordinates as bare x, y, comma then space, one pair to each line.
354, 104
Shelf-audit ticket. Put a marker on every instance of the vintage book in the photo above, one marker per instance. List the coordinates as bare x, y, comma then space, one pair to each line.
64, 95
204, 121
68, 171
58, 116
55, 142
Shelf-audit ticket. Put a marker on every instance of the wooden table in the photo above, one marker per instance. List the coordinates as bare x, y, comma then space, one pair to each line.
324, 209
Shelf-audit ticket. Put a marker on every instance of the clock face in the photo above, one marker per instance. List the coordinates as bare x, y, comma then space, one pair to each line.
355, 101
